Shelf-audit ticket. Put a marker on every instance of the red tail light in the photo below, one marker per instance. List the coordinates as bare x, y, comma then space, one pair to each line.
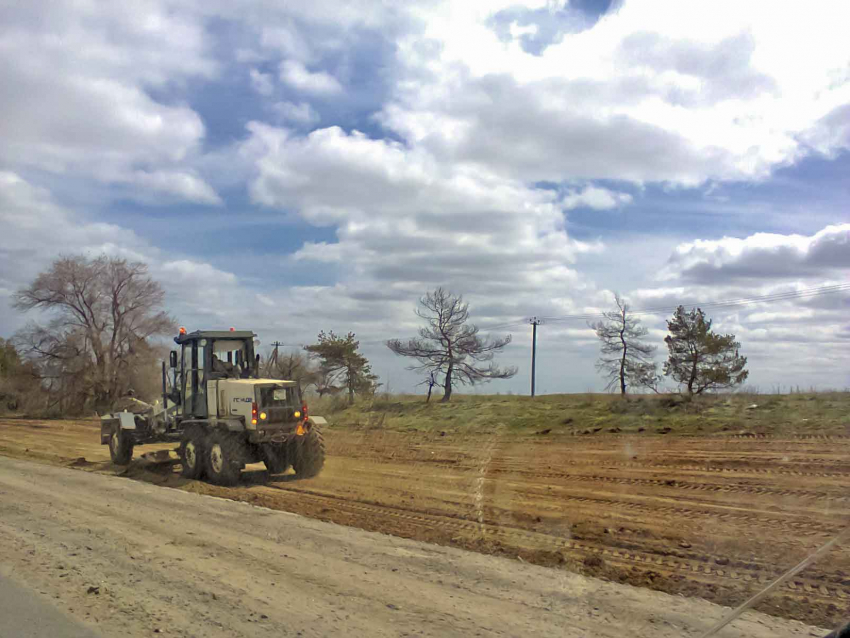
254, 413
304, 411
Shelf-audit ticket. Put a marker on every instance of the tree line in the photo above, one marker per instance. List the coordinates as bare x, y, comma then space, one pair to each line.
106, 315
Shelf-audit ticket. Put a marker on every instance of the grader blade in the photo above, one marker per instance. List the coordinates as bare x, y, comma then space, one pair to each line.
160, 457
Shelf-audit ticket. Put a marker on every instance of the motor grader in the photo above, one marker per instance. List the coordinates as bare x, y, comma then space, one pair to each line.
221, 412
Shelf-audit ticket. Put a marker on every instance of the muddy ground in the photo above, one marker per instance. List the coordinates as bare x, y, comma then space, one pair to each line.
715, 517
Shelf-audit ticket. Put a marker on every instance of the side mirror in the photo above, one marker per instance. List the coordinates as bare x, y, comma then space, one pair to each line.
172, 359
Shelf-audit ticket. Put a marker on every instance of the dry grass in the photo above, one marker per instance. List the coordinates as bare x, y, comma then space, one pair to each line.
586, 414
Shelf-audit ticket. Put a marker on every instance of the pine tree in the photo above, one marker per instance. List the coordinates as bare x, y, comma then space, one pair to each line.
699, 359
340, 361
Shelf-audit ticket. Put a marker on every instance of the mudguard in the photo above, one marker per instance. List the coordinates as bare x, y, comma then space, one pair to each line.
108, 423
231, 425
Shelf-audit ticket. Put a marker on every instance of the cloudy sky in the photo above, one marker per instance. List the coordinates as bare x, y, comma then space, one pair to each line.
290, 167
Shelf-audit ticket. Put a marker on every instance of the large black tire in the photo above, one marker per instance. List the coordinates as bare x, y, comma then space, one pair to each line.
274, 456
120, 447
192, 455
225, 458
841, 632
309, 454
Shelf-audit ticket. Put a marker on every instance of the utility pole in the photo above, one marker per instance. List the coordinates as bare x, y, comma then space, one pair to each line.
534, 321
273, 359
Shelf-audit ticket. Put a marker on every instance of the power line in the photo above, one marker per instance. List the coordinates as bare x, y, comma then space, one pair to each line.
727, 303
502, 326
783, 296
794, 294
720, 304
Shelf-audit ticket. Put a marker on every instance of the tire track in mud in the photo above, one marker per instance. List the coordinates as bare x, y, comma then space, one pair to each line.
825, 590
600, 438
696, 487
803, 526
518, 466
707, 468
502, 468
800, 524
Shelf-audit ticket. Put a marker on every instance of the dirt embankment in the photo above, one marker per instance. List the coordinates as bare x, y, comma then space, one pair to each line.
710, 516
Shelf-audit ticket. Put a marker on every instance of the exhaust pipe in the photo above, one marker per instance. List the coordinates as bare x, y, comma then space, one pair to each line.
164, 394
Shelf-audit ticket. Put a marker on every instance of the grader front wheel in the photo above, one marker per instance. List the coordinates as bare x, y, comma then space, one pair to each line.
225, 458
192, 456
120, 447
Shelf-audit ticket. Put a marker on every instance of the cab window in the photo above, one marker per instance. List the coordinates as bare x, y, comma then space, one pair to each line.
276, 397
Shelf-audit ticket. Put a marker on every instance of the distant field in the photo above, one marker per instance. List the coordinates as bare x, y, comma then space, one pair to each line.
589, 414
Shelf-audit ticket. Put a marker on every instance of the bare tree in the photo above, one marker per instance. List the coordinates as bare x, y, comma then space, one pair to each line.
430, 381
625, 360
449, 347
325, 384
103, 312
293, 366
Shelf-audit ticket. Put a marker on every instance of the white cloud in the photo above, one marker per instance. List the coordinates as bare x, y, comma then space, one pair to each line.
36, 230
82, 77
596, 198
186, 273
248, 56
296, 75
661, 91
262, 82
762, 256
182, 185
284, 37
300, 113
32, 219
406, 222
517, 30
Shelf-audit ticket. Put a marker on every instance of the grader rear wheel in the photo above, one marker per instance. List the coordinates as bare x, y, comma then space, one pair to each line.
274, 457
309, 454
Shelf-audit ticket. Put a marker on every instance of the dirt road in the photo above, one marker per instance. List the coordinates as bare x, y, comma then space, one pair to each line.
26, 614
712, 517
135, 559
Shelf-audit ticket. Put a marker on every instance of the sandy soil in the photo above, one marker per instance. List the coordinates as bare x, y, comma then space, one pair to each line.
136, 559
713, 517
